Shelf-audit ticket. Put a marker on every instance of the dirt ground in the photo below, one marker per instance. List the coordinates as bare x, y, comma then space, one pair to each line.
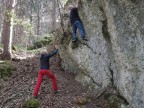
14, 91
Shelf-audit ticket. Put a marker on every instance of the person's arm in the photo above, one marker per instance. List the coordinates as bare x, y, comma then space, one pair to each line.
53, 52
70, 17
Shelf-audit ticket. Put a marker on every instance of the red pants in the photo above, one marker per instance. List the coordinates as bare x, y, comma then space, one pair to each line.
41, 73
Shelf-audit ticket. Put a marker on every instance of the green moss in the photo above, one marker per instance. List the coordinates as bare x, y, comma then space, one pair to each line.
89, 1
6, 69
40, 43
107, 95
136, 69
134, 1
14, 48
31, 103
90, 85
81, 101
67, 40
113, 102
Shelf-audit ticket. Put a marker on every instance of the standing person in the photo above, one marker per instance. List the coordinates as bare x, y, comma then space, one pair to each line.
76, 23
44, 70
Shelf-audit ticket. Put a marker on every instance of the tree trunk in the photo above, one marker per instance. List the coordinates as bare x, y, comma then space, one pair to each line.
18, 30
53, 15
31, 19
38, 17
2, 13
8, 29
38, 22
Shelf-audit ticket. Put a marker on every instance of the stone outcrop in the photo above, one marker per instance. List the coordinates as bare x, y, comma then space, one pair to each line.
114, 54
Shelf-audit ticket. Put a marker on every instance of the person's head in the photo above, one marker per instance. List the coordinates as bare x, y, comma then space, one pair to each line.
56, 46
44, 52
71, 7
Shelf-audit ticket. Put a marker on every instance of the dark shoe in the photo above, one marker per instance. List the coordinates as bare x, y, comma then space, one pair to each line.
74, 40
55, 92
35, 97
85, 39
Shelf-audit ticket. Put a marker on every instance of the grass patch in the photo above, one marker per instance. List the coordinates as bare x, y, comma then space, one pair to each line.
6, 69
31, 103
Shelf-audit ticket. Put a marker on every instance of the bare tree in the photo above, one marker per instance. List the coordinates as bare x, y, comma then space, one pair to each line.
38, 18
8, 29
37, 8
53, 14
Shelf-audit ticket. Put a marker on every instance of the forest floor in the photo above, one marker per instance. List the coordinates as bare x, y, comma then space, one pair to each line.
18, 88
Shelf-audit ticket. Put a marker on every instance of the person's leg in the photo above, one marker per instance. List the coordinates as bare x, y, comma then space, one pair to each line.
74, 29
39, 80
81, 29
54, 80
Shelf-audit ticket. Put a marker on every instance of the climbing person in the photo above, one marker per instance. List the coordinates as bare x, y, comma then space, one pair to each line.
76, 23
44, 70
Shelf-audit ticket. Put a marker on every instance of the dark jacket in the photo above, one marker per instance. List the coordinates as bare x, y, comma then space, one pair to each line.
44, 59
74, 16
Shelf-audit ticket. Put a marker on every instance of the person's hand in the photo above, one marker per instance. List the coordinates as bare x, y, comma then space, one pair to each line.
56, 47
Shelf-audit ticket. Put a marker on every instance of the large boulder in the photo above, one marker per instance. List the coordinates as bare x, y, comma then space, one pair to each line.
113, 56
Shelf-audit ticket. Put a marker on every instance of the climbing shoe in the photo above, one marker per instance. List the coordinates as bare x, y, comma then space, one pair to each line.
35, 97
74, 40
85, 39
55, 92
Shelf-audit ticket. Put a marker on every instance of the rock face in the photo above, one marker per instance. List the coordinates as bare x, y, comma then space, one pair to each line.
114, 54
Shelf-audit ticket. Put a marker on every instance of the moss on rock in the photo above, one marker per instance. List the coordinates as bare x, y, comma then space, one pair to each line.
14, 48
81, 101
113, 102
67, 40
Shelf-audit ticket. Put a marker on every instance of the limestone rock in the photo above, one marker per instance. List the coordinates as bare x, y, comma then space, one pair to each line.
115, 50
